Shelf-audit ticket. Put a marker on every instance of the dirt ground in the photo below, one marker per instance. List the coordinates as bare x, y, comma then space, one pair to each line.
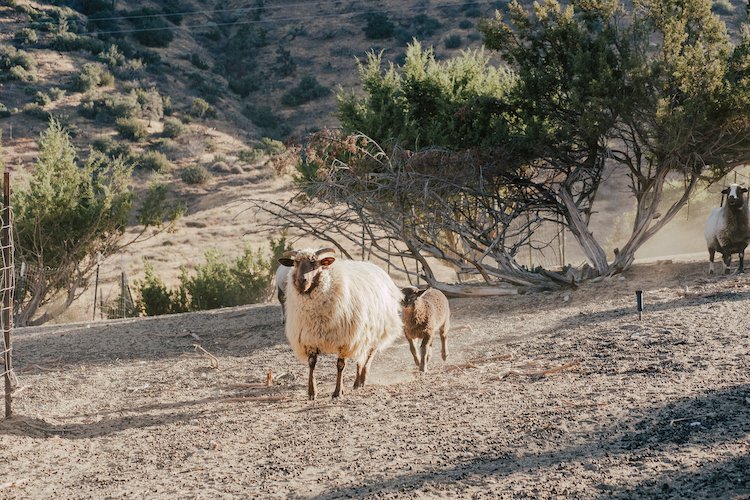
564, 394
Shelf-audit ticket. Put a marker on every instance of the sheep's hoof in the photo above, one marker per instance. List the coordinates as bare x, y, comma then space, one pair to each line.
337, 394
311, 396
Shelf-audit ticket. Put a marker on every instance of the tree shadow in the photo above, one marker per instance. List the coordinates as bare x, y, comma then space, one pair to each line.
714, 418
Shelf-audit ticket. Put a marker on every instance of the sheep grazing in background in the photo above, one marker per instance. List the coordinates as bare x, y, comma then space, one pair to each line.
282, 275
343, 307
728, 229
426, 313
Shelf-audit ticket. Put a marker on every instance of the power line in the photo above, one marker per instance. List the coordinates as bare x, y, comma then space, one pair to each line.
239, 23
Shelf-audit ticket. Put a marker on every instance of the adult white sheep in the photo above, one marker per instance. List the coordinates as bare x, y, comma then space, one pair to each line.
343, 307
728, 229
426, 314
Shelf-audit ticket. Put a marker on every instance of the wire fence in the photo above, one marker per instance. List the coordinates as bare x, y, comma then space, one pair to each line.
7, 287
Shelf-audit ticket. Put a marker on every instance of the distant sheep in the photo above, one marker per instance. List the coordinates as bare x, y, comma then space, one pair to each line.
426, 313
343, 307
728, 229
282, 275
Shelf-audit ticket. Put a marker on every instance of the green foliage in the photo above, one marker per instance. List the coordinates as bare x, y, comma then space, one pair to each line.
452, 41
92, 75
41, 98
429, 103
285, 65
153, 30
131, 128
378, 26
111, 56
37, 111
154, 161
307, 90
26, 36
65, 213
198, 61
16, 64
155, 298
112, 149
194, 174
173, 128
420, 27
219, 282
200, 108
244, 85
69, 42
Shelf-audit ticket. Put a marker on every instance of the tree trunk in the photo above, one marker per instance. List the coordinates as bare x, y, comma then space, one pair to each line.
591, 248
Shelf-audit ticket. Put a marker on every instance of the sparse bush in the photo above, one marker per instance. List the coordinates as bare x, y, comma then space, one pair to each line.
92, 75
473, 12
152, 29
198, 61
250, 155
378, 27
219, 282
154, 161
69, 42
111, 107
35, 110
307, 90
56, 93
113, 149
173, 128
26, 36
16, 64
4, 111
285, 65
271, 147
453, 41
111, 56
131, 128
244, 85
201, 108
194, 174
465, 24
154, 297
41, 98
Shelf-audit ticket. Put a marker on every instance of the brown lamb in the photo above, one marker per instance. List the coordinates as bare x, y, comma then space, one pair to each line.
426, 313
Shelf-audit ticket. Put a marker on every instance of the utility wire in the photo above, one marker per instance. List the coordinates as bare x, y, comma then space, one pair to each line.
250, 9
283, 19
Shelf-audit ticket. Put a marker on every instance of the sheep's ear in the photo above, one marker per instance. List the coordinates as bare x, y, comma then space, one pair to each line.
327, 261
421, 292
286, 261
743, 190
725, 191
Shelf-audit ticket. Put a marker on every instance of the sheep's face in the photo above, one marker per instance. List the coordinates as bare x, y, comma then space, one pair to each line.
308, 268
411, 294
734, 194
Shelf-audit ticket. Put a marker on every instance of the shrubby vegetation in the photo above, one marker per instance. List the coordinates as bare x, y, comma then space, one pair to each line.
219, 282
195, 174
308, 89
131, 128
65, 214
154, 161
93, 75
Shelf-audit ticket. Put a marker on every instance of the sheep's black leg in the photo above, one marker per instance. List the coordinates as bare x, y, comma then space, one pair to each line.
425, 352
413, 352
311, 390
340, 365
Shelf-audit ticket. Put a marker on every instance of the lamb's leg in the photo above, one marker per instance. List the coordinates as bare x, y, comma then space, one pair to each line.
741, 268
711, 255
340, 365
727, 259
362, 370
444, 341
413, 349
425, 349
312, 358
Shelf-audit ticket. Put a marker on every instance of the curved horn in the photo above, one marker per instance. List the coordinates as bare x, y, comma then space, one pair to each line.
289, 253
322, 251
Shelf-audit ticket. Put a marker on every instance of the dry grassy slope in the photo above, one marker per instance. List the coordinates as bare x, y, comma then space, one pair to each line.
323, 38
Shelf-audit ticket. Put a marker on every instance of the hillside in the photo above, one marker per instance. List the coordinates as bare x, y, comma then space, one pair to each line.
215, 86
555, 395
